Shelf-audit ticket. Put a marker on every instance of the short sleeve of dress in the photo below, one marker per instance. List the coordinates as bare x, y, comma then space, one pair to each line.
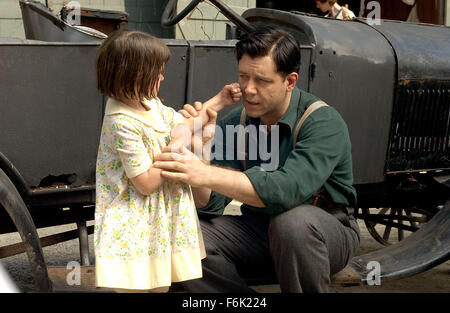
171, 116
177, 118
128, 142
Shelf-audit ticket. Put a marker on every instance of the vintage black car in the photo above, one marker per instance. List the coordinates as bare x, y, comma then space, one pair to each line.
390, 82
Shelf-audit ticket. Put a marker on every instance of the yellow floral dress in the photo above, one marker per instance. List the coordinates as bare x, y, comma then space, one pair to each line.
141, 242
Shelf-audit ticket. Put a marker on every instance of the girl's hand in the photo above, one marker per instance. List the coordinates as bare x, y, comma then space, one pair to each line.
202, 139
198, 141
230, 94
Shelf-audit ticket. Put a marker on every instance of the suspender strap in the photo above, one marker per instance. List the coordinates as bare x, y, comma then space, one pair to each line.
242, 122
312, 107
341, 213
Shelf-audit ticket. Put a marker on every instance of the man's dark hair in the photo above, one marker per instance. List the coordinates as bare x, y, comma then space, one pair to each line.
281, 45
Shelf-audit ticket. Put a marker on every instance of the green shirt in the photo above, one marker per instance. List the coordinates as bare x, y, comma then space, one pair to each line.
321, 158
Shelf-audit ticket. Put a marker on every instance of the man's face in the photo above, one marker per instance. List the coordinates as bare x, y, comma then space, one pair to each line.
264, 90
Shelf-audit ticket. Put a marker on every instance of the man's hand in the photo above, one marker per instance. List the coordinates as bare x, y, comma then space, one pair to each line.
186, 167
183, 166
208, 130
202, 140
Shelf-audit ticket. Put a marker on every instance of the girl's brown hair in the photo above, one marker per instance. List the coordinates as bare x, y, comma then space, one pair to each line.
129, 63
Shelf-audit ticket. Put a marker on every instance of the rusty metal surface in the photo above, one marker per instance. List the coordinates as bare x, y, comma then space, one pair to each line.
422, 51
420, 129
105, 21
118, 16
53, 127
41, 24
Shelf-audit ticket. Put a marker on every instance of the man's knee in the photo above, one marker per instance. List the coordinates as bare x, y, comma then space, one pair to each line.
297, 224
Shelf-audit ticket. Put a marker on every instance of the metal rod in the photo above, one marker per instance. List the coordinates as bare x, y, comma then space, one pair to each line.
84, 242
190, 72
17, 248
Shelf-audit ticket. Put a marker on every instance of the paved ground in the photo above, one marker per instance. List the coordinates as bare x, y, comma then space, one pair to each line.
436, 280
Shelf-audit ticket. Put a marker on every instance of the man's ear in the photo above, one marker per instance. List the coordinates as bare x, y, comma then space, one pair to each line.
291, 80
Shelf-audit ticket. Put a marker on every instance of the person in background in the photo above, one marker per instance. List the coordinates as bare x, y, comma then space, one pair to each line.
335, 10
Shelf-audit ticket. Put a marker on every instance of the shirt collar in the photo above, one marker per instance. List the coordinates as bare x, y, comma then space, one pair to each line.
290, 116
151, 118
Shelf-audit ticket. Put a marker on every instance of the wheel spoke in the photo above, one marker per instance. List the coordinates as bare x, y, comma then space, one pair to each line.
400, 231
387, 233
411, 218
383, 211
387, 230
380, 223
422, 211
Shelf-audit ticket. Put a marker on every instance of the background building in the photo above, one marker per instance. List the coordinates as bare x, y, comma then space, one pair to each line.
447, 13
145, 15
206, 23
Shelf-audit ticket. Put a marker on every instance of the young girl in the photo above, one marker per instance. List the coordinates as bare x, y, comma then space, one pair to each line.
147, 233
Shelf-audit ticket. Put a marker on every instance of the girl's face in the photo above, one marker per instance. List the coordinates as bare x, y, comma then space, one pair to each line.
324, 7
158, 84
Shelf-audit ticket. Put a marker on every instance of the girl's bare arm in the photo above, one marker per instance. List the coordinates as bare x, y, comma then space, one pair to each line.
150, 180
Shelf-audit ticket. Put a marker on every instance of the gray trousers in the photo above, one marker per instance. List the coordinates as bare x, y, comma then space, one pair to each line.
299, 248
